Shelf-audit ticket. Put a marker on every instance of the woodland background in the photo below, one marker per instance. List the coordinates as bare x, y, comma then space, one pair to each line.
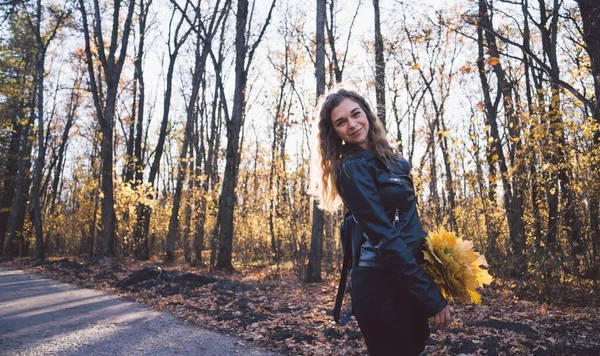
179, 130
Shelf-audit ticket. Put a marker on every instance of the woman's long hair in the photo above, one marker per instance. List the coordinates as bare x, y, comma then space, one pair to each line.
327, 146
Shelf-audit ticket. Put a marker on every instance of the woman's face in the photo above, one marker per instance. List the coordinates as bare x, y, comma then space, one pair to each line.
350, 123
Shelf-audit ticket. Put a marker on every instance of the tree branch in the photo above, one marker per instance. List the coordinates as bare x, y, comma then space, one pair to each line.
262, 32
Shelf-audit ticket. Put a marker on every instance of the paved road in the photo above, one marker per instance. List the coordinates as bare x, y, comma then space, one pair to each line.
40, 316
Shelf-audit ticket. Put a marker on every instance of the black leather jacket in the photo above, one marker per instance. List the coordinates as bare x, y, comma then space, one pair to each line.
382, 199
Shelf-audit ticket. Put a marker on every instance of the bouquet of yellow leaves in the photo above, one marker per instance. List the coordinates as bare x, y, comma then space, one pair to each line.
455, 267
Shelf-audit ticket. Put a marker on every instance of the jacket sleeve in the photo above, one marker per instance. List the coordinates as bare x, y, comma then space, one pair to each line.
360, 193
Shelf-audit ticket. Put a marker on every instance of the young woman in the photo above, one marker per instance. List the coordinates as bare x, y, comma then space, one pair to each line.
392, 296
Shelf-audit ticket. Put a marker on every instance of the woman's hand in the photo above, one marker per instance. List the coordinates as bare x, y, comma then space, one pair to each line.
441, 319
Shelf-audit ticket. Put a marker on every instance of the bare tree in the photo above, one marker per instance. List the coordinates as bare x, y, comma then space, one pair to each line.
203, 43
331, 26
105, 103
439, 74
243, 60
379, 66
42, 41
175, 41
218, 108
313, 270
512, 192
134, 160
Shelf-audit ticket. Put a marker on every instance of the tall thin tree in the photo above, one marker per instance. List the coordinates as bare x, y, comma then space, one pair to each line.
105, 103
42, 41
379, 66
243, 60
313, 270
144, 213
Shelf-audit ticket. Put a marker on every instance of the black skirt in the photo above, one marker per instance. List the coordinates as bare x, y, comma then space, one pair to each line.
392, 321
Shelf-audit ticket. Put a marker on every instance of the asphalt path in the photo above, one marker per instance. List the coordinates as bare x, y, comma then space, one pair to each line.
41, 316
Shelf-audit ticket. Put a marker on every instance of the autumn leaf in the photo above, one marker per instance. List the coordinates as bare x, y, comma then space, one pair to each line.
465, 69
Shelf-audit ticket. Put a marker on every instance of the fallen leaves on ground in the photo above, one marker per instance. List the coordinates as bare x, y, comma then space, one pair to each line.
280, 313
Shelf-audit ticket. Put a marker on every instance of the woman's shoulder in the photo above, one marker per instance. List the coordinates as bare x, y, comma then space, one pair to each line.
350, 165
403, 164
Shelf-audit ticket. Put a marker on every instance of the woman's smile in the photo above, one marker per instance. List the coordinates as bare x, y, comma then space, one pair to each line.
356, 132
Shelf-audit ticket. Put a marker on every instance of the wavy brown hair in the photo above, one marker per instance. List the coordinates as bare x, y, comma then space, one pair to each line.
327, 146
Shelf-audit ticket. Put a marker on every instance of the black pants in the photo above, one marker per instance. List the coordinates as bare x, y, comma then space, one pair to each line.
392, 321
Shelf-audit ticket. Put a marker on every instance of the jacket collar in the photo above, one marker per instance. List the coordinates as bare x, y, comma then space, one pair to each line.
350, 150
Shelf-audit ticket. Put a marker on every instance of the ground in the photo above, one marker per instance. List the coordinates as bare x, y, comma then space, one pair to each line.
40, 317
282, 314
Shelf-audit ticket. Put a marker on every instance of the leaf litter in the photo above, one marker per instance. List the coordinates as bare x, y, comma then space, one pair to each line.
285, 315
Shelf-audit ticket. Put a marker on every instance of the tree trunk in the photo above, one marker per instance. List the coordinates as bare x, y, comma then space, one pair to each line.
108, 201
139, 68
39, 162
188, 207
272, 191
91, 237
441, 128
379, 67
134, 166
590, 16
243, 59
512, 195
105, 111
315, 255
60, 156
549, 34
210, 166
433, 184
491, 230
201, 55
19, 203
227, 198
142, 226
531, 154
10, 177
398, 119
129, 166
276, 169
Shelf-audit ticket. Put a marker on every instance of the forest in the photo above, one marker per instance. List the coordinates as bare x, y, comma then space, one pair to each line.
179, 132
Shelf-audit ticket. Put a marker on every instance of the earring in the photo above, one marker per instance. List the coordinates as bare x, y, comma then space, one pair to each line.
343, 142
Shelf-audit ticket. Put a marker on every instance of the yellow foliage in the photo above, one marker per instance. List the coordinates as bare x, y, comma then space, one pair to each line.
455, 267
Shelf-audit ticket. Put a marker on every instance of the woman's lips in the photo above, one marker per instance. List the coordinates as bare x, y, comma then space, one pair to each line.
356, 132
